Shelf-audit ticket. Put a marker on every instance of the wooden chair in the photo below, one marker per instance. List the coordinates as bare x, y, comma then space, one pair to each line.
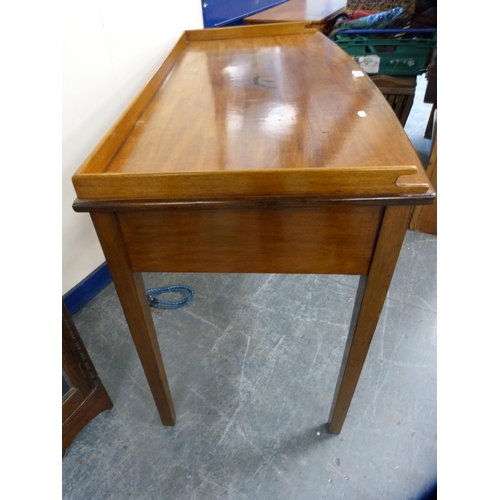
399, 92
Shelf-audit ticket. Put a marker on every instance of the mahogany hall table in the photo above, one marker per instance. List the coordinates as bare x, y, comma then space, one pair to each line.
255, 149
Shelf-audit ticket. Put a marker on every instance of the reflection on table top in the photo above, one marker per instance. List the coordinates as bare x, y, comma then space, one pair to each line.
281, 102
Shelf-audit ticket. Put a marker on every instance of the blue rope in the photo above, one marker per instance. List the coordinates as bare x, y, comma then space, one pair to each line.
165, 304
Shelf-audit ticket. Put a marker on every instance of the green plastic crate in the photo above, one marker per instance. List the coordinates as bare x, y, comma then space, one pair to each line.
389, 56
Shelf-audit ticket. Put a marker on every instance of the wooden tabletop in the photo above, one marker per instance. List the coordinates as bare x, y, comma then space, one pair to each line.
254, 111
313, 11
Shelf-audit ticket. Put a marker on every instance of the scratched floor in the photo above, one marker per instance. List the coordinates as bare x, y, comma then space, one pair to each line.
252, 363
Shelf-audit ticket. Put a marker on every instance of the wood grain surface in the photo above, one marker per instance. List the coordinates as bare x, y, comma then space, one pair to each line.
336, 240
314, 11
261, 114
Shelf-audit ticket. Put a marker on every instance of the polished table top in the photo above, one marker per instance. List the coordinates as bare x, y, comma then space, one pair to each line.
314, 11
271, 110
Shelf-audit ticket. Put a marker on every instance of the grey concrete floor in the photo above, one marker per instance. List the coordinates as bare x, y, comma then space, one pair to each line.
252, 363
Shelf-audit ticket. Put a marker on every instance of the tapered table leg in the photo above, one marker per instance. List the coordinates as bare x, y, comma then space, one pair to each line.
372, 291
132, 294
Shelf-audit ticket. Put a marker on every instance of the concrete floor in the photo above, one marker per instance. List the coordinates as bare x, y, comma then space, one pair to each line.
252, 363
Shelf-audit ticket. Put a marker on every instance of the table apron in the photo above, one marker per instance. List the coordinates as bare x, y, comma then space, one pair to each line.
291, 240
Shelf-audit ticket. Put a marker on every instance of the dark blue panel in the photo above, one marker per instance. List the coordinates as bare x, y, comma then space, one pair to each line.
218, 13
87, 289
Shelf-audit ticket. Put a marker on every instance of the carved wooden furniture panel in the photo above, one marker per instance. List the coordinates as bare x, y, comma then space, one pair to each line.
85, 397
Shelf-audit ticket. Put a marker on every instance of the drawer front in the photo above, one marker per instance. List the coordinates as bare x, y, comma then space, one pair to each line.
291, 240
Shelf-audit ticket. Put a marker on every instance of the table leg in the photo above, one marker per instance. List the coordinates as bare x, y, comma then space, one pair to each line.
370, 298
132, 294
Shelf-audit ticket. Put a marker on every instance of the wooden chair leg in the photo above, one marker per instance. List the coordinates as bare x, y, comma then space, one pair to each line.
430, 122
132, 294
370, 298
